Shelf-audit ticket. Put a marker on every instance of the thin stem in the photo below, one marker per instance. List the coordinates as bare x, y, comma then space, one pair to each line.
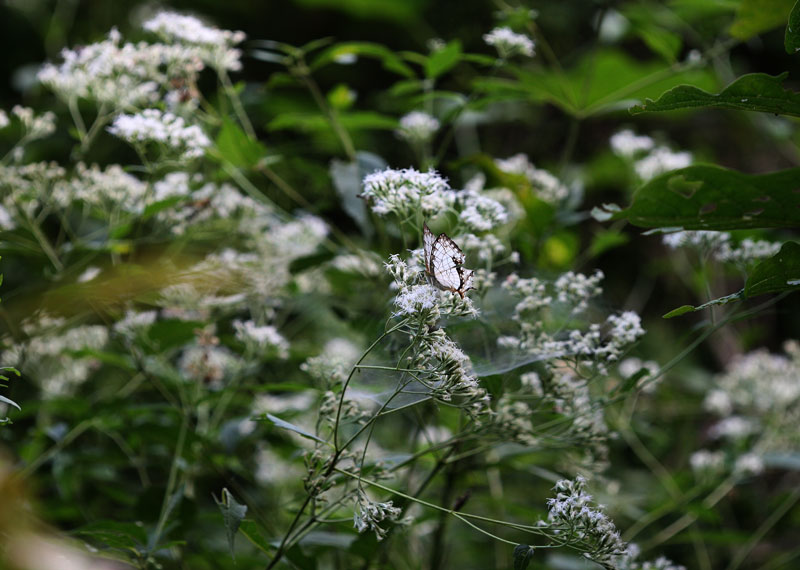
173, 476
238, 108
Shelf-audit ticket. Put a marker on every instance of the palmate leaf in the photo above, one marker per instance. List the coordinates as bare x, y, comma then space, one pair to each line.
708, 197
752, 92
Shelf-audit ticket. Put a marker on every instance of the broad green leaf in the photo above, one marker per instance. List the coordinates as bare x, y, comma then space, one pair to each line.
251, 530
291, 427
346, 52
522, 556
791, 39
232, 514
756, 16
443, 60
781, 272
752, 92
236, 147
708, 197
603, 81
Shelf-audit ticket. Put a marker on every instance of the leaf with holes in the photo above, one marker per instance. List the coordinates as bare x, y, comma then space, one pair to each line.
753, 92
779, 273
707, 197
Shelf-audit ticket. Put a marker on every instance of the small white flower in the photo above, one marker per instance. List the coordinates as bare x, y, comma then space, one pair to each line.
627, 144
749, 464
509, 43
416, 299
262, 337
417, 126
661, 160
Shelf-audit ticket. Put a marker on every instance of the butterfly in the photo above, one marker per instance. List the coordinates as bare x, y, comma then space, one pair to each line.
443, 259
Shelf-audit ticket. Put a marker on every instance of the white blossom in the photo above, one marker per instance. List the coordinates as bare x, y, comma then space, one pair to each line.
265, 337
627, 144
407, 191
417, 126
509, 43
165, 128
660, 160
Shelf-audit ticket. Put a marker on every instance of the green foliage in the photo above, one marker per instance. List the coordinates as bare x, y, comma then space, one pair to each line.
756, 16
707, 197
792, 36
522, 556
776, 274
752, 92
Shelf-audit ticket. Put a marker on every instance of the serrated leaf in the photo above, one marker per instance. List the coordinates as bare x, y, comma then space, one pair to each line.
791, 39
781, 272
522, 556
756, 16
291, 427
708, 197
443, 60
233, 514
753, 92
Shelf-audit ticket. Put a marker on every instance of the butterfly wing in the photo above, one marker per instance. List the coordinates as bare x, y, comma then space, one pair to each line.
428, 239
446, 257
466, 276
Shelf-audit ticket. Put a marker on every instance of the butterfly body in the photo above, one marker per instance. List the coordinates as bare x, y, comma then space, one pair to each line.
443, 259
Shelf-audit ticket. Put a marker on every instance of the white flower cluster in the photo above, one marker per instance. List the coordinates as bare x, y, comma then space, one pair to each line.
48, 354
479, 212
629, 561
587, 526
405, 192
265, 338
650, 159
508, 43
120, 76
628, 144
111, 189
214, 46
164, 128
34, 126
719, 245
449, 372
417, 127
207, 364
547, 187
512, 421
134, 322
331, 366
369, 514
577, 289
128, 75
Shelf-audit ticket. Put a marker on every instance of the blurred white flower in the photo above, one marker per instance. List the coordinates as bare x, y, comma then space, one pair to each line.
508, 43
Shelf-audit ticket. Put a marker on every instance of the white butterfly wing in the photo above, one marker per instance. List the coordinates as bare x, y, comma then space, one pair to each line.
466, 280
446, 257
428, 239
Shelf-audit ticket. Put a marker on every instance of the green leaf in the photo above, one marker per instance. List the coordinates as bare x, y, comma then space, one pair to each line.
781, 272
232, 514
347, 177
738, 296
251, 530
346, 51
756, 16
309, 122
607, 239
752, 92
601, 82
443, 60
708, 197
291, 427
522, 556
791, 39
234, 146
